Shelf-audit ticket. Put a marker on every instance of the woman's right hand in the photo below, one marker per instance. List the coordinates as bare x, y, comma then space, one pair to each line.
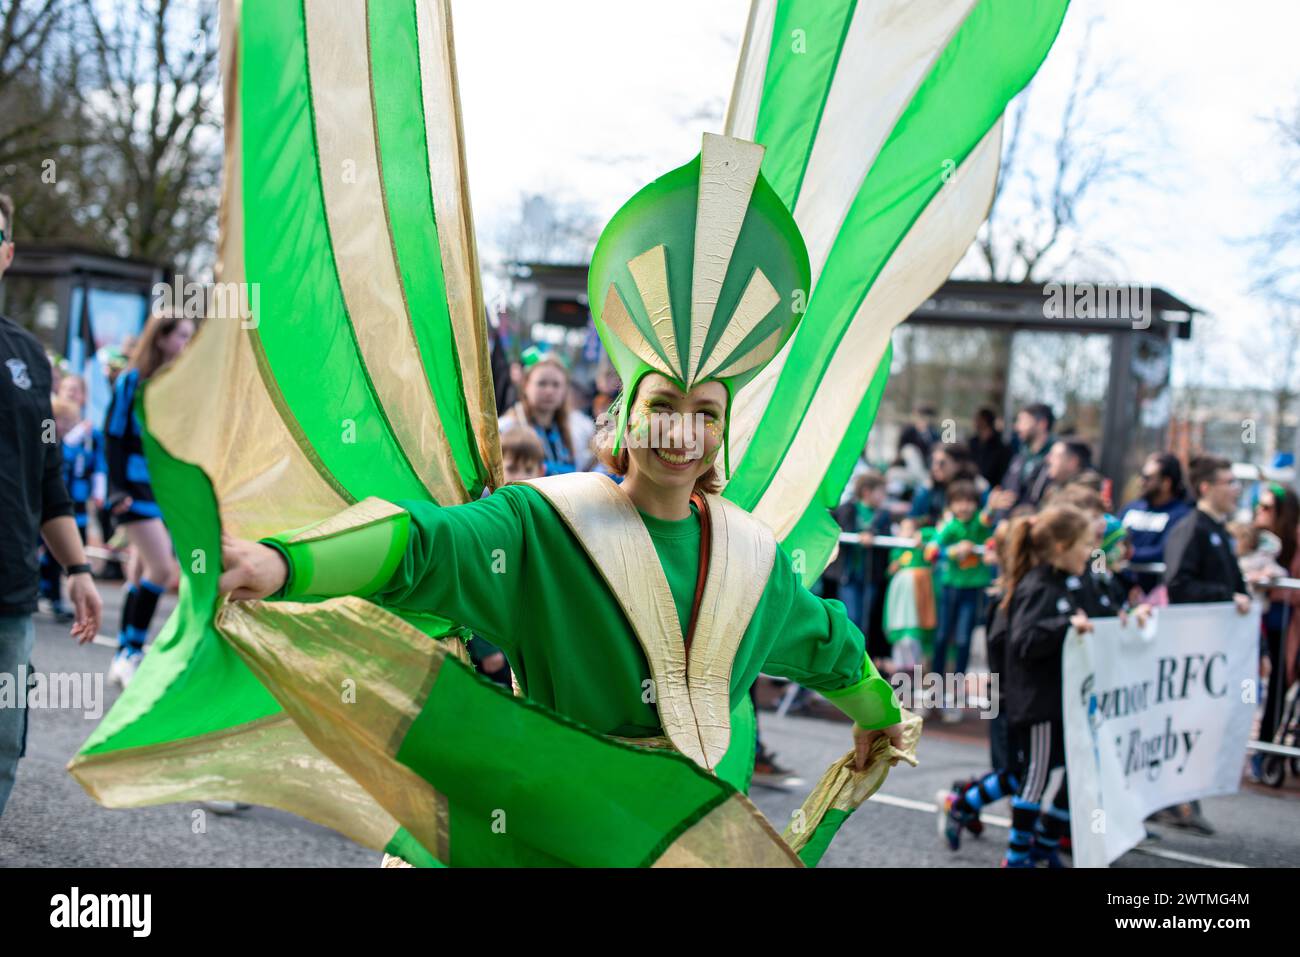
251, 570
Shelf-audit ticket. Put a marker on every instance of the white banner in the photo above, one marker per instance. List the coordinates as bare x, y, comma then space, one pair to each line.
1154, 718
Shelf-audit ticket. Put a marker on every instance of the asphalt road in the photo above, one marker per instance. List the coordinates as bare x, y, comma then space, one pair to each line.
51, 822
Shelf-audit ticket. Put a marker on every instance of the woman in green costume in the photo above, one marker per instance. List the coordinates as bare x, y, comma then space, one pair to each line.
647, 610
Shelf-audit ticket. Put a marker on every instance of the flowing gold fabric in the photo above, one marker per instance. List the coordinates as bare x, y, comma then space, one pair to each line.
845, 789
356, 700
364, 255
450, 184
727, 833
263, 479
268, 762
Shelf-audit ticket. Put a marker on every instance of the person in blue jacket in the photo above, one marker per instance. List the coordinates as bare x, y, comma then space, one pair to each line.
153, 567
1149, 519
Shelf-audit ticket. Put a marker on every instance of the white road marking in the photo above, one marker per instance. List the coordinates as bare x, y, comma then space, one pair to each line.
1005, 822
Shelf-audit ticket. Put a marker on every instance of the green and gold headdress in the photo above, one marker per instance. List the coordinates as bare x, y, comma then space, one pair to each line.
701, 276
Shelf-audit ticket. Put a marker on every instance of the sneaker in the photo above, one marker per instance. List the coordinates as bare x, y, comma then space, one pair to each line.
125, 664
952, 818
972, 820
61, 612
769, 774
1007, 862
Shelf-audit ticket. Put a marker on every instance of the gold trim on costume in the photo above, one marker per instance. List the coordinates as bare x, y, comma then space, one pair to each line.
844, 789
729, 836
263, 471
743, 554
362, 244
728, 172
304, 654
368, 511
756, 302
650, 272
616, 317
268, 762
449, 180
693, 699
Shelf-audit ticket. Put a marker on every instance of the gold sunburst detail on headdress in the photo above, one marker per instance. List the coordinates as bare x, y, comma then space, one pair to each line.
650, 273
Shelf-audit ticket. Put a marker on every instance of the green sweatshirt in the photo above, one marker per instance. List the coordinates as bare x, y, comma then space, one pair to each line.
972, 573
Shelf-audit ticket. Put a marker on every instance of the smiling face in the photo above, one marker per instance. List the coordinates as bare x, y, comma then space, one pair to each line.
674, 438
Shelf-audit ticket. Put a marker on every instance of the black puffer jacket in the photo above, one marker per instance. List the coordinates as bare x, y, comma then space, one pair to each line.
1038, 619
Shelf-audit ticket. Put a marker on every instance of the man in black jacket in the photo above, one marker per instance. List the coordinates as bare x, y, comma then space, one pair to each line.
1201, 567
1199, 562
33, 502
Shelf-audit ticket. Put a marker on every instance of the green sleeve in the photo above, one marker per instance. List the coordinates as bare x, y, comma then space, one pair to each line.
819, 647
460, 562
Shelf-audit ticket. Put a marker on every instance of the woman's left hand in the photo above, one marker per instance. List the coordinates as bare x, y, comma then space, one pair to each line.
863, 739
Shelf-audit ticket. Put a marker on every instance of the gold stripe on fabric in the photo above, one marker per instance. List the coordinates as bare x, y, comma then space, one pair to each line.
751, 70
847, 144
734, 834
844, 789
884, 74
449, 180
728, 171
616, 317
263, 471
268, 762
756, 302
650, 272
338, 61
923, 259
365, 512
355, 700
743, 552
610, 530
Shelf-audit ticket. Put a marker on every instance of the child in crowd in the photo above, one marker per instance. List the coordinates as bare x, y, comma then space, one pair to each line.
522, 455
84, 475
1042, 555
959, 809
1257, 552
1099, 592
910, 617
960, 543
861, 569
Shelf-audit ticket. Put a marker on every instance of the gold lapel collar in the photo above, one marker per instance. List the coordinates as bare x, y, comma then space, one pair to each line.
610, 530
694, 708
741, 558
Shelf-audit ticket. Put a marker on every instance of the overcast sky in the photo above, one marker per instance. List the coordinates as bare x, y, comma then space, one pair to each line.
589, 100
